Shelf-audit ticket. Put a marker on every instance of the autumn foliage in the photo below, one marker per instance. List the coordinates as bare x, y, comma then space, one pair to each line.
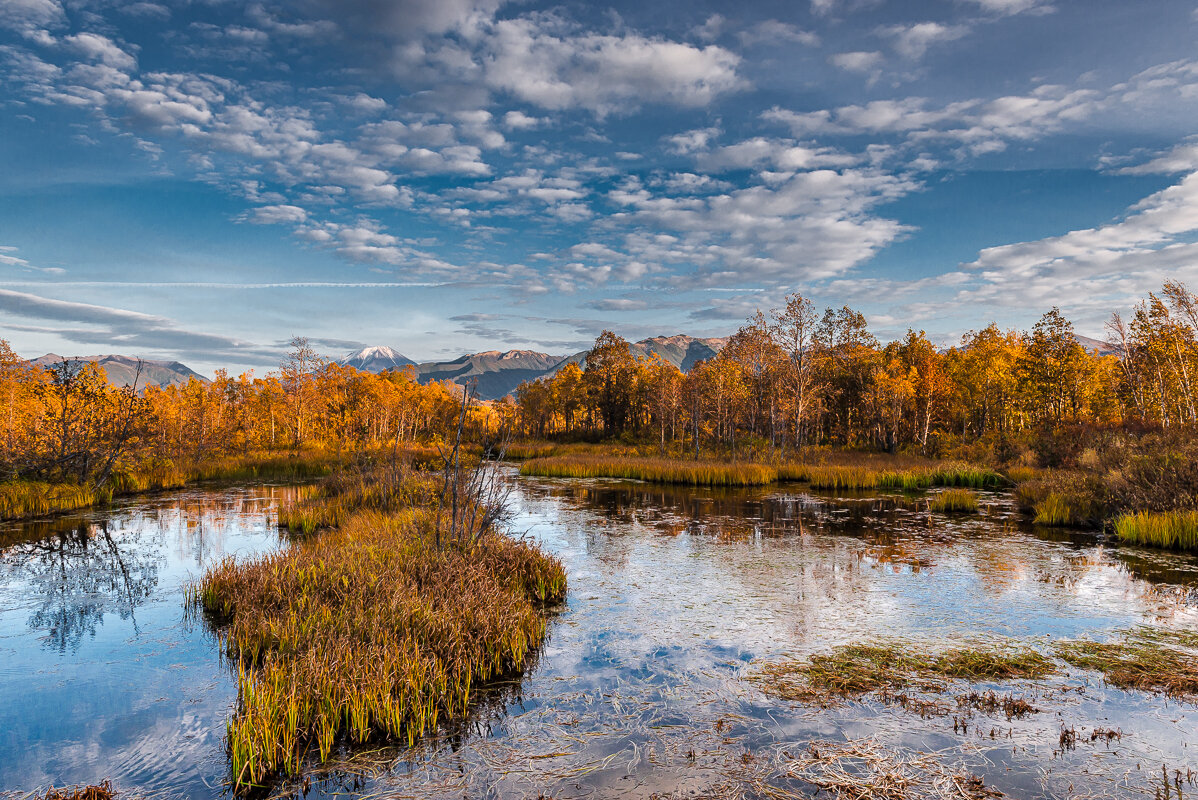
794, 378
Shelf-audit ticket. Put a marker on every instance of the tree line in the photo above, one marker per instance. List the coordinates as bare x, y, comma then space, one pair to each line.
65, 422
794, 378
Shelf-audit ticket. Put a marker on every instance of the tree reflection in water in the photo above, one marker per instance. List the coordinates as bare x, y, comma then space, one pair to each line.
78, 572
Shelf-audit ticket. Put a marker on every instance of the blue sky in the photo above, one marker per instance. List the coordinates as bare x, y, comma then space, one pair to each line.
202, 179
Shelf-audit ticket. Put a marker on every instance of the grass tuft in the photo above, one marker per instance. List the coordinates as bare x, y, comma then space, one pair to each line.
1175, 530
369, 631
101, 791
955, 500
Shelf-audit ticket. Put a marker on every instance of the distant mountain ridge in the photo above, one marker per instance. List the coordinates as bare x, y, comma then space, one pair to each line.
498, 373
495, 373
121, 370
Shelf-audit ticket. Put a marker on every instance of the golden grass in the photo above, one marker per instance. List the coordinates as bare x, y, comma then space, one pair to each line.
654, 470
523, 451
1055, 509
1175, 530
1152, 659
21, 499
386, 487
837, 477
859, 669
368, 631
955, 500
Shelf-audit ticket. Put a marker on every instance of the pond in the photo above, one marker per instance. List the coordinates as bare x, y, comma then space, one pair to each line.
677, 596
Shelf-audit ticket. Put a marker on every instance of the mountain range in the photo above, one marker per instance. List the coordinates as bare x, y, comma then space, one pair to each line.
498, 373
495, 373
121, 370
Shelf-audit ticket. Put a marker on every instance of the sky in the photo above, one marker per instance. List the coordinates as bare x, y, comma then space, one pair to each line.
202, 180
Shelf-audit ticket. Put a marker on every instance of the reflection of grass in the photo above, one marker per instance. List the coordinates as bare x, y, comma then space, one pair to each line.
1173, 529
858, 669
370, 631
1144, 658
954, 500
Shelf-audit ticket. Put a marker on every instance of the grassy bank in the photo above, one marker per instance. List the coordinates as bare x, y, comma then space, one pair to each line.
370, 630
721, 473
21, 499
654, 470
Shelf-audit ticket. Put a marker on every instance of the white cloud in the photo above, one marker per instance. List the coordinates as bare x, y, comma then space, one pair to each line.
27, 15
277, 214
1182, 157
101, 49
519, 121
602, 73
1012, 7
913, 41
803, 225
856, 61
9, 260
772, 31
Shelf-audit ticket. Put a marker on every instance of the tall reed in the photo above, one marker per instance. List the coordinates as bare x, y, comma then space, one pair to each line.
1175, 530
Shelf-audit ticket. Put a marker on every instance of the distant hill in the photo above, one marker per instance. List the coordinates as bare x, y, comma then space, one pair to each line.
121, 370
680, 350
376, 359
1096, 345
495, 373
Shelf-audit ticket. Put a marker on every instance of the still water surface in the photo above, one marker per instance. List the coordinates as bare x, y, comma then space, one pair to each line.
640, 690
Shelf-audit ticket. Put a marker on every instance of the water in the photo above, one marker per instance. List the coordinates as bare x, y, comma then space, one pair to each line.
102, 675
676, 597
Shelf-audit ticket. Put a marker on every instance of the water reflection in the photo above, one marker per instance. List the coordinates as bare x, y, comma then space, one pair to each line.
675, 592
101, 675
639, 689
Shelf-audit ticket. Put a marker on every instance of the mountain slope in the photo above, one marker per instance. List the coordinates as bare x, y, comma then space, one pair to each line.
121, 370
375, 359
495, 373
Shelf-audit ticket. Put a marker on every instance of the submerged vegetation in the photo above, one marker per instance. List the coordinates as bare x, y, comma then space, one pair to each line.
1152, 659
100, 791
854, 670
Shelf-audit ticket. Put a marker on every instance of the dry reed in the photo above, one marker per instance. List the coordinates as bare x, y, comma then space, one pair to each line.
369, 631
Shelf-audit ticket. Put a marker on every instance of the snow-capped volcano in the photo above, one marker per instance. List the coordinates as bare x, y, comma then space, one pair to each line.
375, 359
